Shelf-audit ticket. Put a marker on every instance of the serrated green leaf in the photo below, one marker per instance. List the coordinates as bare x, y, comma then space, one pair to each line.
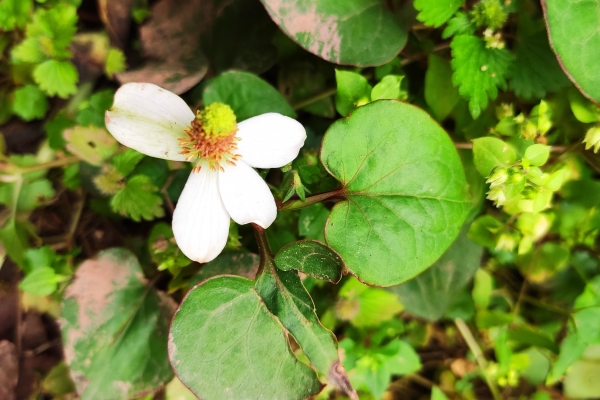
114, 329
312, 258
441, 96
41, 281
478, 71
57, 78
225, 318
138, 200
445, 278
91, 112
491, 152
402, 177
247, 94
54, 130
30, 50
353, 90
30, 103
460, 24
114, 62
14, 14
573, 31
436, 12
126, 161
357, 32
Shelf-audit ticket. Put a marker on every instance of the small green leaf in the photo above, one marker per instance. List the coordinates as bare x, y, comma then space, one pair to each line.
441, 96
247, 94
163, 249
115, 62
91, 112
402, 177
353, 90
584, 110
478, 71
30, 103
138, 200
361, 33
537, 154
312, 258
388, 88
91, 144
57, 78
225, 319
436, 12
41, 281
438, 394
114, 329
491, 152
460, 24
126, 161
482, 289
14, 14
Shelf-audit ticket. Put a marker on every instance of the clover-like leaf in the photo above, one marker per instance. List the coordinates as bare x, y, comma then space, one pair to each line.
405, 190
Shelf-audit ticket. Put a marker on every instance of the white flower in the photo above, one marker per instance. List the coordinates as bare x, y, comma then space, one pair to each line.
223, 184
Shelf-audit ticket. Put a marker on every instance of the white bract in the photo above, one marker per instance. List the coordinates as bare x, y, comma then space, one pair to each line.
223, 184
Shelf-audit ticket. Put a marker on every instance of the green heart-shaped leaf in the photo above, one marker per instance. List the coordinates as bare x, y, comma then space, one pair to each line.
225, 344
312, 258
405, 189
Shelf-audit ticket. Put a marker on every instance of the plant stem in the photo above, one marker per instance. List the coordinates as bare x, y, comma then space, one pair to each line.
317, 198
320, 96
554, 149
264, 250
476, 350
61, 162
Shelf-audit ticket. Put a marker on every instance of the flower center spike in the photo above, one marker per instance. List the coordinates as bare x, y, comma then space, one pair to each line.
211, 139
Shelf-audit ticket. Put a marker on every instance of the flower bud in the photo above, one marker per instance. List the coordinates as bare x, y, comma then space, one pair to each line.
499, 176
592, 139
496, 194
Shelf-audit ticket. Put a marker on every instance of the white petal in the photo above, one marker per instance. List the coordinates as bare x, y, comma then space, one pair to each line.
149, 119
200, 220
246, 196
270, 140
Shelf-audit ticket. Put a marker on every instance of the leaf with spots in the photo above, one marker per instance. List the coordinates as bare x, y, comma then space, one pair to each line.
114, 329
575, 38
312, 258
405, 190
351, 32
225, 344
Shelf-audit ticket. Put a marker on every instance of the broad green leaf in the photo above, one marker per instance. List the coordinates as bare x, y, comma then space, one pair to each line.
232, 263
388, 88
57, 78
351, 32
14, 14
441, 96
312, 258
478, 71
353, 91
114, 329
405, 189
438, 394
139, 199
42, 281
584, 110
537, 154
285, 296
491, 152
445, 278
574, 37
581, 381
30, 103
436, 12
460, 24
225, 344
247, 94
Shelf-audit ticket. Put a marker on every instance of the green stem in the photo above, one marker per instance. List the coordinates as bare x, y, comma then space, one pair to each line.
314, 99
61, 162
476, 350
317, 198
